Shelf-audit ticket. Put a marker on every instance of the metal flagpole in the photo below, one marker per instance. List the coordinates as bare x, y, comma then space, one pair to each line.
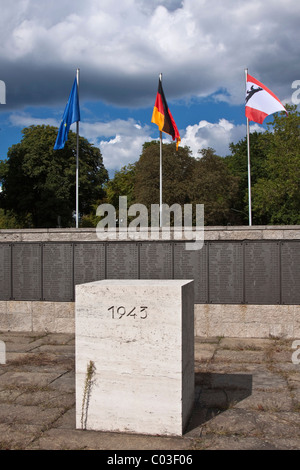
249, 166
160, 174
77, 160
160, 181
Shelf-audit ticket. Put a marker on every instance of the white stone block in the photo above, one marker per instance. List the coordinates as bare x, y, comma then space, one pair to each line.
139, 336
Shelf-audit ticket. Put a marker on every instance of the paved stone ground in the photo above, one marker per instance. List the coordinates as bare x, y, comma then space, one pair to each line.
247, 398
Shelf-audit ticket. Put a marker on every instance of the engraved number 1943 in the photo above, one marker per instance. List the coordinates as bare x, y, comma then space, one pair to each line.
120, 312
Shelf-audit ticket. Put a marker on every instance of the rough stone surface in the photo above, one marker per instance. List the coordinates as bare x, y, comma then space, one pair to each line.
259, 232
258, 321
252, 321
139, 337
247, 398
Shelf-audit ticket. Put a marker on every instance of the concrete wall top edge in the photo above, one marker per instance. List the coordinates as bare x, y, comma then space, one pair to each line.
206, 227
258, 232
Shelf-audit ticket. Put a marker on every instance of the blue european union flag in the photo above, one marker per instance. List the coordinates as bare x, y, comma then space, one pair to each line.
71, 114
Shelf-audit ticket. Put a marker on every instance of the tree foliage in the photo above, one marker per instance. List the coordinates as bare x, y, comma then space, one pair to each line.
214, 186
122, 184
177, 170
276, 193
186, 180
39, 183
275, 171
237, 164
221, 184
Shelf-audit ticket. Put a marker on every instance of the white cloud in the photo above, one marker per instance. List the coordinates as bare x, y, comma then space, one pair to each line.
215, 135
201, 46
120, 141
23, 119
124, 138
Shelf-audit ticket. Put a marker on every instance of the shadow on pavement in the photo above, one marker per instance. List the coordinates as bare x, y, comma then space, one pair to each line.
215, 393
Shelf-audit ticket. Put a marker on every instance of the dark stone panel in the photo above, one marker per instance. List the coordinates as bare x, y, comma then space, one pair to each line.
122, 261
156, 260
5, 271
290, 272
262, 272
27, 271
254, 272
58, 272
226, 273
192, 264
89, 262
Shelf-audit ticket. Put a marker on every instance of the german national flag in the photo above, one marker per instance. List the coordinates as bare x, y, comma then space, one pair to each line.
162, 116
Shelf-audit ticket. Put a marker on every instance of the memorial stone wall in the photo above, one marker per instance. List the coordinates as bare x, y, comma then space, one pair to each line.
236, 267
225, 272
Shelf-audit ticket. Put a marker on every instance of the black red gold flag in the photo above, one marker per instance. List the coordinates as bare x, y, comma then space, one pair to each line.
162, 116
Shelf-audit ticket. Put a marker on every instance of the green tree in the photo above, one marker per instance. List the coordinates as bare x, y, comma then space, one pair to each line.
214, 186
237, 163
177, 170
39, 182
122, 184
8, 220
276, 194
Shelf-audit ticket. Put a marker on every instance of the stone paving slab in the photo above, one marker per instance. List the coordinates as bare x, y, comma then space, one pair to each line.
247, 398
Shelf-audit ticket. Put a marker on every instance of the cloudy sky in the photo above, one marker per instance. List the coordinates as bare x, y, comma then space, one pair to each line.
201, 47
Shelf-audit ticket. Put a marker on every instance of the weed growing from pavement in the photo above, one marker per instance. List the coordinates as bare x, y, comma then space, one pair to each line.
90, 371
